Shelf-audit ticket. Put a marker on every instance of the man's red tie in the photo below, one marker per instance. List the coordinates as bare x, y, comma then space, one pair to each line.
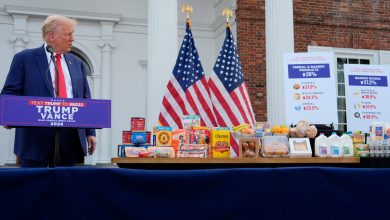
60, 86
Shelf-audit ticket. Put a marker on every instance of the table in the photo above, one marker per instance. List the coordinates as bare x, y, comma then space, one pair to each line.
196, 163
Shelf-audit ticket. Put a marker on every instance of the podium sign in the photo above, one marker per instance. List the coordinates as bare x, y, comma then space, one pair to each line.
54, 112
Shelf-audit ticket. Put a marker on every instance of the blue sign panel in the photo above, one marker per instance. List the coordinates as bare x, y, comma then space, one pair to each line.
54, 112
308, 71
361, 80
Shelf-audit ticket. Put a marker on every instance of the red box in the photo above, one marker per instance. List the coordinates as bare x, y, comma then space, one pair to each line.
126, 137
137, 124
148, 135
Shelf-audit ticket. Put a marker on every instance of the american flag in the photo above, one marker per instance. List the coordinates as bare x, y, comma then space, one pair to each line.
229, 94
187, 90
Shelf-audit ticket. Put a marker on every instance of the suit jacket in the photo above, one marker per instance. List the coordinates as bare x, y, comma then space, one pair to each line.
29, 75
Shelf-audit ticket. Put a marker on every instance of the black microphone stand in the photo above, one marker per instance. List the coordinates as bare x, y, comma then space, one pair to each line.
57, 130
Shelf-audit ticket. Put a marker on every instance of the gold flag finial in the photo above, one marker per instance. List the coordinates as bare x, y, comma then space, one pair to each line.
187, 8
227, 12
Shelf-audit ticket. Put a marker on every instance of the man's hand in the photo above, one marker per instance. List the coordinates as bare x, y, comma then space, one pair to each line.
91, 144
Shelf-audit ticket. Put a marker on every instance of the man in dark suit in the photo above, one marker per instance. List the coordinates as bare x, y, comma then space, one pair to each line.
32, 73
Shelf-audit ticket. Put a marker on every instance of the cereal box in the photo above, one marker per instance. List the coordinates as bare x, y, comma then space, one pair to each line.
220, 143
163, 136
189, 121
199, 135
179, 137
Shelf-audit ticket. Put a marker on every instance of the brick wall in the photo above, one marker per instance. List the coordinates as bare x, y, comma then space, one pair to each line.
251, 48
358, 24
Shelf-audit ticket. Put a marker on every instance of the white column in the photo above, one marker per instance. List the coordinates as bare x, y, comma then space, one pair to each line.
95, 80
279, 29
19, 39
162, 52
106, 44
144, 65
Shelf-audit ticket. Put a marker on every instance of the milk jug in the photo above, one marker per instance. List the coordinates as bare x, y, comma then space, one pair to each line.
334, 145
346, 145
321, 148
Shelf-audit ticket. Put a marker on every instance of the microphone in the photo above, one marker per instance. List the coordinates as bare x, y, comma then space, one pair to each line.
48, 79
50, 49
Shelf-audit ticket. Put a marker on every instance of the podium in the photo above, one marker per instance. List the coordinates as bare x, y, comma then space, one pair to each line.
31, 111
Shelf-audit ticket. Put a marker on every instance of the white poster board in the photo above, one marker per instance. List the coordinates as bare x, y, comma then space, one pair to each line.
367, 95
310, 88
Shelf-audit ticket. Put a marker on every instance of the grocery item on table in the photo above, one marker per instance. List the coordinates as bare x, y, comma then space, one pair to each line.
133, 151
179, 137
126, 137
138, 137
262, 125
303, 129
137, 124
387, 131
346, 145
362, 150
190, 121
163, 136
334, 145
193, 151
280, 129
357, 138
243, 131
249, 148
321, 148
300, 147
377, 131
220, 142
162, 152
199, 135
275, 146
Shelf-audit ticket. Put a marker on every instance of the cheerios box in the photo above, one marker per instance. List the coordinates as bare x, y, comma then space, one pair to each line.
163, 136
220, 142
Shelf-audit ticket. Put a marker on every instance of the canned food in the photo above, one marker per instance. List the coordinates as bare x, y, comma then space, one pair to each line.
126, 137
362, 150
137, 124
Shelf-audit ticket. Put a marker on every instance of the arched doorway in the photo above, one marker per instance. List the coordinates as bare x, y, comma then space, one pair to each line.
87, 64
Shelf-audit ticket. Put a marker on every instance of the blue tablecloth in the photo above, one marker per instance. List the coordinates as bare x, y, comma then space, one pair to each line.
261, 193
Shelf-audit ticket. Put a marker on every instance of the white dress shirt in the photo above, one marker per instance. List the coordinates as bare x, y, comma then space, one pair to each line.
68, 80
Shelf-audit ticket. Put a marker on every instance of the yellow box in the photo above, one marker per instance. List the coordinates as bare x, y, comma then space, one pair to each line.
163, 136
220, 143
